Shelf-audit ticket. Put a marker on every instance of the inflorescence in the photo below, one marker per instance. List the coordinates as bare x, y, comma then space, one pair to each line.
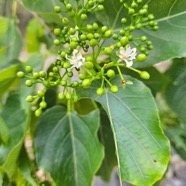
84, 53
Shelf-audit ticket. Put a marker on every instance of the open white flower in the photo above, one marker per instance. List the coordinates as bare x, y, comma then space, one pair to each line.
127, 54
77, 60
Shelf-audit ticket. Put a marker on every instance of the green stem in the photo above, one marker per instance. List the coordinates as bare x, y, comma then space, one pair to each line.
117, 16
120, 74
14, 8
135, 70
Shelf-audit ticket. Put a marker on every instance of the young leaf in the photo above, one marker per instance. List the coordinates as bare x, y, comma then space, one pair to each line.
67, 146
141, 147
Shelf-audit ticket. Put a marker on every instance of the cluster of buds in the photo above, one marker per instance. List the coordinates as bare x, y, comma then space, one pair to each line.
85, 56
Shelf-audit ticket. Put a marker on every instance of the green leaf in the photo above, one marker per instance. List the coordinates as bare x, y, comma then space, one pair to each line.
25, 167
8, 77
67, 146
3, 132
175, 91
15, 119
10, 41
169, 41
34, 33
177, 137
45, 9
141, 147
106, 138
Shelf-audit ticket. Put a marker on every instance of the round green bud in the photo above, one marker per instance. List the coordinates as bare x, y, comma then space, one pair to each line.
63, 82
100, 91
139, 1
115, 36
35, 75
57, 31
89, 65
100, 7
144, 75
65, 21
89, 27
90, 36
70, 74
29, 69
29, 98
110, 73
61, 96
93, 42
123, 20
131, 28
96, 35
68, 95
138, 26
108, 50
143, 38
72, 31
51, 74
131, 11
108, 33
86, 83
42, 74
124, 41
141, 57
57, 42
28, 83
83, 37
90, 4
114, 88
122, 32
38, 112
75, 84
66, 65
73, 45
143, 11
43, 104
20, 74
83, 17
63, 54
55, 69
57, 9
150, 17
41, 93
104, 29
69, 7
81, 76
95, 26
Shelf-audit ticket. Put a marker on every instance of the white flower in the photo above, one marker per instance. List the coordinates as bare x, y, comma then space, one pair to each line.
127, 54
76, 60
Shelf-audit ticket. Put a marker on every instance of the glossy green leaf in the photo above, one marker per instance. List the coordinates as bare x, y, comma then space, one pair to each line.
67, 146
141, 147
106, 138
169, 41
10, 40
15, 119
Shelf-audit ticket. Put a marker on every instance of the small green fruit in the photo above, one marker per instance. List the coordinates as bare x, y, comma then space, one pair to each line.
30, 98
144, 75
100, 91
86, 83
89, 65
93, 42
110, 73
114, 88
29, 69
43, 104
20, 74
141, 57
124, 41
28, 83
57, 9
38, 112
